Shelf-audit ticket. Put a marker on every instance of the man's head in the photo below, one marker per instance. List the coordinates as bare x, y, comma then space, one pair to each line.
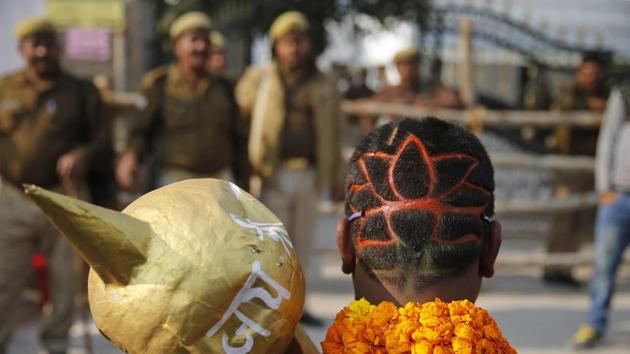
361, 77
191, 43
589, 74
292, 44
419, 198
407, 63
38, 46
217, 62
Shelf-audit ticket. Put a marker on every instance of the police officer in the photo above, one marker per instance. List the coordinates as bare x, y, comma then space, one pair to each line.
190, 126
295, 131
411, 90
217, 60
51, 133
589, 91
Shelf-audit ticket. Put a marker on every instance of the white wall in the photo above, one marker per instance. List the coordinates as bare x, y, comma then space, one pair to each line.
11, 12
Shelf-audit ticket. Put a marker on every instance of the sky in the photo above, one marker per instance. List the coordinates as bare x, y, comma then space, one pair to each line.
10, 15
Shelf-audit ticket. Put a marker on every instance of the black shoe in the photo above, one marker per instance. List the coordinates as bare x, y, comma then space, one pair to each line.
562, 278
310, 320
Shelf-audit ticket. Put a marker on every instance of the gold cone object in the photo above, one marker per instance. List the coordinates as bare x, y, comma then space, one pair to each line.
112, 243
198, 266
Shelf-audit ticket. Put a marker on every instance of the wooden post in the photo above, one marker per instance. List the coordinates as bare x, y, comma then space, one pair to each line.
464, 66
119, 61
495, 118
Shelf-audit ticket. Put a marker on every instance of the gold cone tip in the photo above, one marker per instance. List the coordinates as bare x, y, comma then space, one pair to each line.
111, 242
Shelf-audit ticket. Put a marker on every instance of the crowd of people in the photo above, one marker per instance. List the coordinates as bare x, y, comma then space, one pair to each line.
278, 134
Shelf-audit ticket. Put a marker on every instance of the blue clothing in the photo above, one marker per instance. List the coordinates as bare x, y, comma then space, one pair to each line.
612, 236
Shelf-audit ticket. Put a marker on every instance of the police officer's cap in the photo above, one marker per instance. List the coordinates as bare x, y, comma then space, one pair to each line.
217, 40
407, 54
189, 21
32, 26
290, 21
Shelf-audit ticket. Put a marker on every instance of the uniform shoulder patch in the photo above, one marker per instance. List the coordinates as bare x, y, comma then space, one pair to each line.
153, 76
12, 78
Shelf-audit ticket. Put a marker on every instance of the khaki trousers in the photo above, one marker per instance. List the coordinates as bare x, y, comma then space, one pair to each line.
570, 229
292, 195
24, 229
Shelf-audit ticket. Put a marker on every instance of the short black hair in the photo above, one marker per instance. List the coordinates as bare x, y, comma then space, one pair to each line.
602, 58
423, 189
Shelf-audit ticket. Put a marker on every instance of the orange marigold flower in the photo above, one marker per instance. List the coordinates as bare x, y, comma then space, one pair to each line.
458, 327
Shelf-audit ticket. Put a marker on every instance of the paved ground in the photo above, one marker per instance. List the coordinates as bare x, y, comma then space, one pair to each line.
535, 317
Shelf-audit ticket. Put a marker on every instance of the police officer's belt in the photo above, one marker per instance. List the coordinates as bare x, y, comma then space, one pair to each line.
296, 163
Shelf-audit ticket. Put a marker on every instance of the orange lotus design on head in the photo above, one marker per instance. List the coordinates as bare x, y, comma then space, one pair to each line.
430, 183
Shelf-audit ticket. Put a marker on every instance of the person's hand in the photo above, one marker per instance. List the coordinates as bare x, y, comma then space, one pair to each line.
607, 197
71, 167
128, 172
596, 103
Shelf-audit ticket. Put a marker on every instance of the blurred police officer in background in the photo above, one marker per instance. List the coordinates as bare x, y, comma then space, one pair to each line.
52, 133
589, 91
190, 127
295, 134
412, 90
217, 60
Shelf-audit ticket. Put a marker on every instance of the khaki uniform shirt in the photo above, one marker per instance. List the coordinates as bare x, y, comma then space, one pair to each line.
411, 95
298, 136
575, 98
36, 128
421, 94
578, 140
193, 127
261, 97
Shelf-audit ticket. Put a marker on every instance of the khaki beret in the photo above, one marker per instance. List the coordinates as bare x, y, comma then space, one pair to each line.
217, 40
290, 21
33, 25
188, 21
407, 54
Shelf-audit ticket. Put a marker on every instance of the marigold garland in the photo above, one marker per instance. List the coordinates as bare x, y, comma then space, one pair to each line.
428, 328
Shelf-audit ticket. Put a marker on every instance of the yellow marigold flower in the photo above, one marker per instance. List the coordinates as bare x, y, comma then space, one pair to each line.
360, 308
423, 347
442, 350
462, 346
465, 331
485, 346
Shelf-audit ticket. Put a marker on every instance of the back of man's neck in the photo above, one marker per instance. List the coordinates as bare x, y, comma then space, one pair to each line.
460, 287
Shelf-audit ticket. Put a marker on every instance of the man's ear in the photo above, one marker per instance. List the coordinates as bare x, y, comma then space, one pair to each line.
490, 250
174, 46
20, 47
344, 245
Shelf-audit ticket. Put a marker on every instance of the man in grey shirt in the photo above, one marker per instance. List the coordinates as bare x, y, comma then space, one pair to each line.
612, 230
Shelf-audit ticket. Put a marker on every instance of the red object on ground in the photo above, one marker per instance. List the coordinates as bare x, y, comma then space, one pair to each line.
39, 263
